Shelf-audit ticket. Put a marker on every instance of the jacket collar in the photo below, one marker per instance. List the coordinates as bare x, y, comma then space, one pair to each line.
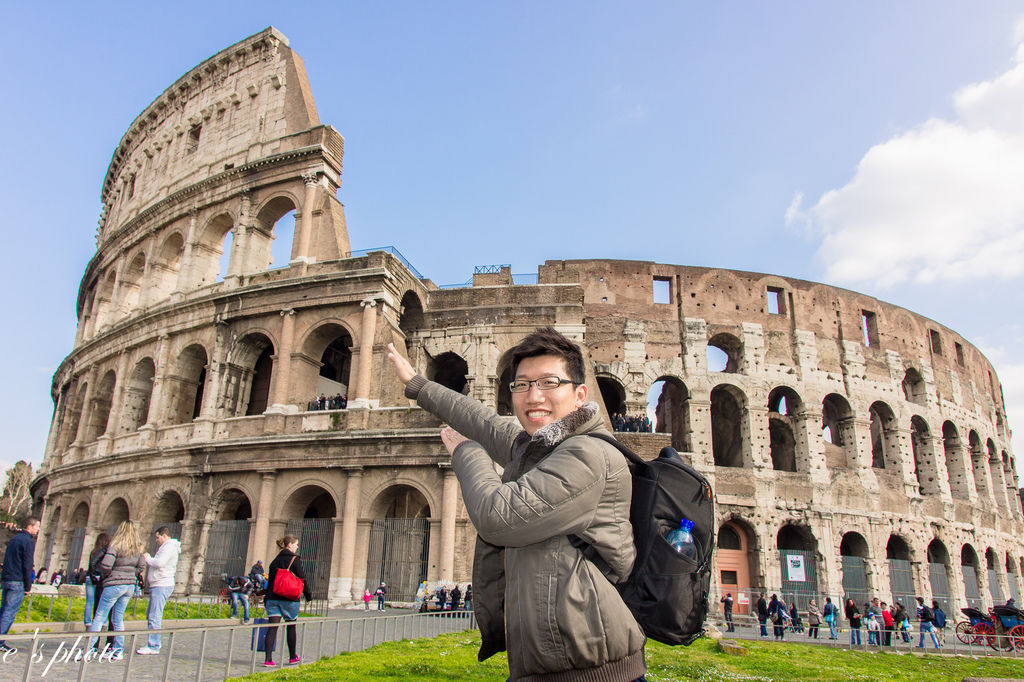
557, 431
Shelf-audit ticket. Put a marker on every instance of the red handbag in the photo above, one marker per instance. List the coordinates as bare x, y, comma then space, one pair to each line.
287, 585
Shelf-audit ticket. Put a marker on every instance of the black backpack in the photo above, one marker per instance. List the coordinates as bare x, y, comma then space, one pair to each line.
667, 593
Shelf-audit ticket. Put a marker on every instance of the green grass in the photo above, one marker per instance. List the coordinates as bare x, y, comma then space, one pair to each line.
59, 613
453, 657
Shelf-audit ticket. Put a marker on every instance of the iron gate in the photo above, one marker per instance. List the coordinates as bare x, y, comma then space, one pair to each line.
901, 582
398, 556
1011, 578
75, 551
993, 586
855, 579
971, 587
175, 529
225, 553
939, 581
316, 540
799, 577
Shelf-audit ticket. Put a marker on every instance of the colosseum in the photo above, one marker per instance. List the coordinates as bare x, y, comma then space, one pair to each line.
854, 447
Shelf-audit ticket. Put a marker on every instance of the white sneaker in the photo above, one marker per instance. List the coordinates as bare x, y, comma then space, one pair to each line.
117, 656
146, 651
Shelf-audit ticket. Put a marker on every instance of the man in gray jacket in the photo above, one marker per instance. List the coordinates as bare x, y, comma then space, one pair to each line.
564, 618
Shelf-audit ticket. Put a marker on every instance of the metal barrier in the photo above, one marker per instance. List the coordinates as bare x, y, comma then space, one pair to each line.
216, 652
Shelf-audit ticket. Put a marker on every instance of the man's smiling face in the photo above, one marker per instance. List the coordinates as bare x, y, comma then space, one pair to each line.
536, 408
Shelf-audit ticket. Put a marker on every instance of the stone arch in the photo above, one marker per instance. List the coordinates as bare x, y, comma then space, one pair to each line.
992, 566
898, 548
130, 287
979, 463
411, 320
399, 540
853, 544
736, 560
272, 223
955, 464
138, 394
783, 404
230, 503
309, 500
186, 387
922, 448
884, 437
227, 544
80, 516
728, 413
914, 389
117, 511
837, 431
170, 508
248, 375
901, 572
995, 470
73, 417
729, 355
1012, 577
969, 568
327, 370
99, 411
613, 394
166, 266
671, 411
103, 300
211, 245
938, 572
798, 552
853, 553
310, 510
451, 370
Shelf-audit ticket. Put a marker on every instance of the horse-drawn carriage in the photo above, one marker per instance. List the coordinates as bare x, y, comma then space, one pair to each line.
1001, 628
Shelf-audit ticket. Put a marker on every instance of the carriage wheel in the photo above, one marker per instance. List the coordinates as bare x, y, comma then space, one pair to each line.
965, 632
986, 635
224, 596
1016, 635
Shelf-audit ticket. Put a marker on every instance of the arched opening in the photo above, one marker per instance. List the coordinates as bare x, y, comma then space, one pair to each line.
955, 465
166, 267
992, 565
335, 371
399, 542
995, 470
938, 572
224, 260
980, 465
72, 418
735, 559
104, 301
449, 370
78, 522
901, 572
724, 353
969, 569
783, 404
116, 513
211, 254
614, 397
272, 244
131, 284
727, 414
797, 551
668, 407
169, 512
884, 439
311, 511
99, 411
411, 320
925, 469
853, 550
1012, 580
913, 387
249, 371
228, 539
137, 396
187, 385
837, 431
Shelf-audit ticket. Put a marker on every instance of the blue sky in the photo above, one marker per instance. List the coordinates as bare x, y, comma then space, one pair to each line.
759, 136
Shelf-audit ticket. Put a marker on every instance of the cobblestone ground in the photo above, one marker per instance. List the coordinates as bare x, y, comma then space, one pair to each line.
185, 655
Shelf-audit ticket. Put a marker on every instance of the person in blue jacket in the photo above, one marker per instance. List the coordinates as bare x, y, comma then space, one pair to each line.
16, 577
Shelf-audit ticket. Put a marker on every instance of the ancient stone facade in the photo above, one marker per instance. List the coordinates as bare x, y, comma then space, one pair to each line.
853, 446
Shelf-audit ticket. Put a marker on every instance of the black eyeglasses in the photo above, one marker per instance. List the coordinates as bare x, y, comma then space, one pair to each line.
544, 384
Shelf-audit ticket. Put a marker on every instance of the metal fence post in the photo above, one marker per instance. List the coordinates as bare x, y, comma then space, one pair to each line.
170, 655
231, 651
202, 653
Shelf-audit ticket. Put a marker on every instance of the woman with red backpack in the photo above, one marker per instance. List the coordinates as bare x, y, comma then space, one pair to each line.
286, 583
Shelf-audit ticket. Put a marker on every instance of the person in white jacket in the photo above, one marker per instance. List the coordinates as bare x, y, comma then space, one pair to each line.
160, 579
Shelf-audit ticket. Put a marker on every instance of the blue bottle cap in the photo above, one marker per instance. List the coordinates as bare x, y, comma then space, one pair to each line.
686, 525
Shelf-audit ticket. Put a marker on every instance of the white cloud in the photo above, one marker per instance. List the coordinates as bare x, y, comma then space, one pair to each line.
944, 200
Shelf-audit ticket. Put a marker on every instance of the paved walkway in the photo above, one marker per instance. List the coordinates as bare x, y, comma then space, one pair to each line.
220, 651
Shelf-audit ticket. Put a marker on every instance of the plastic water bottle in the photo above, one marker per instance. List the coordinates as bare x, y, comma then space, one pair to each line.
681, 540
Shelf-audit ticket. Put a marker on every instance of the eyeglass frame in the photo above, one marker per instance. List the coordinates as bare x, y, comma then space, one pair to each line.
561, 382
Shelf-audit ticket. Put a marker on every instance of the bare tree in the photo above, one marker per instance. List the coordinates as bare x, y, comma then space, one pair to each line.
15, 500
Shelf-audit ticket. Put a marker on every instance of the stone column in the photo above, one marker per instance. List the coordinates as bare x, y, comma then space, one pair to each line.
283, 367
188, 554
259, 548
305, 224
186, 271
366, 335
158, 399
106, 440
349, 526
195, 575
449, 498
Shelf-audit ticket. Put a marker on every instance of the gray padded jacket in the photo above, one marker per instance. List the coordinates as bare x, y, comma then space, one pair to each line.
557, 614
117, 569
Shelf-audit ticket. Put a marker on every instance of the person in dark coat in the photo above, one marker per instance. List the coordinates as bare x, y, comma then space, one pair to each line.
853, 615
762, 615
776, 610
16, 575
727, 609
282, 606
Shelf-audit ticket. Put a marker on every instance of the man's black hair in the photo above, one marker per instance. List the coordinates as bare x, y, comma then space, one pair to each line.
164, 530
548, 341
29, 520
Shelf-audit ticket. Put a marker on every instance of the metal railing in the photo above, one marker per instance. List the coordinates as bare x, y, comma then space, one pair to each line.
217, 652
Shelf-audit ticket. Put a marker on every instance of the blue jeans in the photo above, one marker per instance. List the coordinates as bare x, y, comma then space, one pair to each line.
927, 627
90, 597
763, 621
238, 597
113, 602
10, 602
833, 631
854, 635
155, 613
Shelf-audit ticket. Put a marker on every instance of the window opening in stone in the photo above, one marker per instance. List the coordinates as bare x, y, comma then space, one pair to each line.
936, 341
224, 261
613, 395
283, 236
723, 353
726, 427
100, 408
979, 461
969, 568
884, 446
131, 185
776, 301
913, 387
853, 552
955, 464
186, 384
137, 396
728, 538
117, 512
924, 456
398, 547
192, 143
411, 320
662, 290
959, 353
836, 431
335, 370
869, 323
782, 428
450, 370
668, 410
259, 395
